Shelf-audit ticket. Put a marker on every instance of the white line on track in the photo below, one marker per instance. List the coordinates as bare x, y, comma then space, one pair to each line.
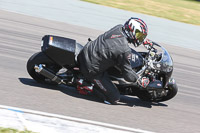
106, 125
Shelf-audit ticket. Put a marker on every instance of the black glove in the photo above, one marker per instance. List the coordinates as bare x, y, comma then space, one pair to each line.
148, 44
143, 81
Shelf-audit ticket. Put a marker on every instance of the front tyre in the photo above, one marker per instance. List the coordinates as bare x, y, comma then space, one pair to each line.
172, 90
41, 58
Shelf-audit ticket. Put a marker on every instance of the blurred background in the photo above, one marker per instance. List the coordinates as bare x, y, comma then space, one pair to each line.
172, 23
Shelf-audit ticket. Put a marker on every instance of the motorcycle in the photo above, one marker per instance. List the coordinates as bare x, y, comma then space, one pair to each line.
57, 63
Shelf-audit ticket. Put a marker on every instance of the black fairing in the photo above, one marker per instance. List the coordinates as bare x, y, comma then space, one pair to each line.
136, 59
155, 84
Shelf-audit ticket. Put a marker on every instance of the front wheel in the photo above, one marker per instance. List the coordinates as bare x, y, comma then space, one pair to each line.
171, 92
37, 59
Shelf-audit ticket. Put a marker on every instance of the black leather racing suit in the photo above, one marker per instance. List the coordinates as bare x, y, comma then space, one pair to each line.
108, 50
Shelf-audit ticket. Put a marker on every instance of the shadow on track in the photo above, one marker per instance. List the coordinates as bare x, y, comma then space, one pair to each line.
132, 102
124, 100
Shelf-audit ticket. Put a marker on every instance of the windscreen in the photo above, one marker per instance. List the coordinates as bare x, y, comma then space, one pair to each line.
165, 65
166, 62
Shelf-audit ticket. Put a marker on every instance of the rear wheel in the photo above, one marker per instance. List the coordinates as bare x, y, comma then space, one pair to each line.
41, 58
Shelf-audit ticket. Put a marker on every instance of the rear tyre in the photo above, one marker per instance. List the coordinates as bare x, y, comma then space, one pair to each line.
41, 58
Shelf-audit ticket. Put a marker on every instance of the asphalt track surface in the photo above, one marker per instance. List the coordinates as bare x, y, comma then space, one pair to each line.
20, 37
100, 17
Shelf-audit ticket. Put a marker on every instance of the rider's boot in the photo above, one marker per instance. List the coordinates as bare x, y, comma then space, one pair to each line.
84, 87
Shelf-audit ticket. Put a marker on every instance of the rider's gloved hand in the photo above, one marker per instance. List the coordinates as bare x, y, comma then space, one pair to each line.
148, 44
143, 81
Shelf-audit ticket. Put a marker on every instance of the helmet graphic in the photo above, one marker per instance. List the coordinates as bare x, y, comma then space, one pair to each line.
136, 31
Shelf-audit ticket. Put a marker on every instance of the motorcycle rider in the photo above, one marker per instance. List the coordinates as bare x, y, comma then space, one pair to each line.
108, 50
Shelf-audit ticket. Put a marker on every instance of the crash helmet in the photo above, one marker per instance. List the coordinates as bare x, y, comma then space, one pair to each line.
136, 31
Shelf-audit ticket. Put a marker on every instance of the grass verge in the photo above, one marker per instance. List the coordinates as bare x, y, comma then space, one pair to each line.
10, 130
187, 11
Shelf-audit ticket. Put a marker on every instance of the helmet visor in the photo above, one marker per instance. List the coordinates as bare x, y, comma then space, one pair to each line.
140, 36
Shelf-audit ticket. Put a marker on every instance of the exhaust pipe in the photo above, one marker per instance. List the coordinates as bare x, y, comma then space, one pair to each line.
39, 69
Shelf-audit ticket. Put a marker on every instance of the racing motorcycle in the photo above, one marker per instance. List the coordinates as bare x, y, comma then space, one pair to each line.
57, 63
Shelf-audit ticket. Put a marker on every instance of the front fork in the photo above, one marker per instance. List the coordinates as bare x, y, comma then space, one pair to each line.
171, 82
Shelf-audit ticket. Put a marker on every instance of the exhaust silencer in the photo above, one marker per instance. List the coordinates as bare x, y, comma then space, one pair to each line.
39, 69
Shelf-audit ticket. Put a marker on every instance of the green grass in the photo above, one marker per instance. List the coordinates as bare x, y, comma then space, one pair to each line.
10, 130
187, 11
